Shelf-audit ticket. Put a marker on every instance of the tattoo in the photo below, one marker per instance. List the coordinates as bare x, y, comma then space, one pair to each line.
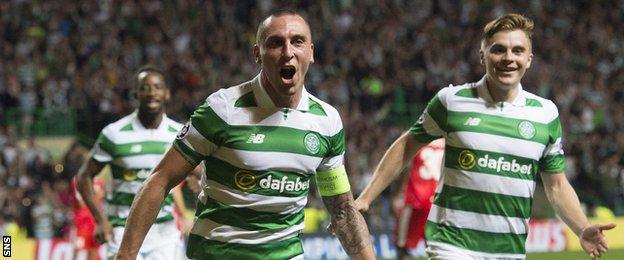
347, 223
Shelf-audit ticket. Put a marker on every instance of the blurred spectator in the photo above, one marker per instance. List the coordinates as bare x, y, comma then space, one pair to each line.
43, 215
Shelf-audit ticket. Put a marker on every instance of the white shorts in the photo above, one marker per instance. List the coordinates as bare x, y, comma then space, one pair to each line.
441, 251
163, 241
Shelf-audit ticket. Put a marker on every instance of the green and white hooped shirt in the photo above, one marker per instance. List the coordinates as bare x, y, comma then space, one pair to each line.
259, 160
494, 152
132, 152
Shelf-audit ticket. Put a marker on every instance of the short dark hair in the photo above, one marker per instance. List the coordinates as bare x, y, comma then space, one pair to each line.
277, 13
508, 22
149, 69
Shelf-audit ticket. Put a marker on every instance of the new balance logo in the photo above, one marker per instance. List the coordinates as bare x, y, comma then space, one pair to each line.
473, 121
136, 148
255, 139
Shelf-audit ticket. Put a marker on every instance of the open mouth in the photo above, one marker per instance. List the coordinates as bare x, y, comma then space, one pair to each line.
287, 72
506, 69
152, 101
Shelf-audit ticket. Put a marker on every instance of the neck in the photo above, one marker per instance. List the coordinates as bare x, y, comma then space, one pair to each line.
150, 120
280, 100
501, 93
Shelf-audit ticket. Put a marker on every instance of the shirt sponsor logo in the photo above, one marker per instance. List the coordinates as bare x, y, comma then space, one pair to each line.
312, 143
284, 184
468, 160
526, 129
246, 180
131, 175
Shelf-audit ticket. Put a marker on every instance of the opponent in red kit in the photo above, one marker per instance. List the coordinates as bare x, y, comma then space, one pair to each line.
414, 200
84, 223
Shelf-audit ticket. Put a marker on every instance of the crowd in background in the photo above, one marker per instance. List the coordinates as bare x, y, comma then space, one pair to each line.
377, 62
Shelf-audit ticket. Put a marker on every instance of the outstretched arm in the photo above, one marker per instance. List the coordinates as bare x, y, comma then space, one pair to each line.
171, 170
349, 226
564, 200
393, 162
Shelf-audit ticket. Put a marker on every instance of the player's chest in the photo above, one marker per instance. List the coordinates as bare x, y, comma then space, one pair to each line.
281, 131
507, 124
272, 141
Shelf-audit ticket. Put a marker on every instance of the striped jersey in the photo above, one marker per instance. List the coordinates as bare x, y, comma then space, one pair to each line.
132, 151
494, 152
259, 159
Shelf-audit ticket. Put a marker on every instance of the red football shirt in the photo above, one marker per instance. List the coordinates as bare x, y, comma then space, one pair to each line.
424, 175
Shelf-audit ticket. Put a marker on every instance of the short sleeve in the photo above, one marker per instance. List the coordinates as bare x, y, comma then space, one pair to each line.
553, 159
205, 131
102, 150
431, 124
335, 155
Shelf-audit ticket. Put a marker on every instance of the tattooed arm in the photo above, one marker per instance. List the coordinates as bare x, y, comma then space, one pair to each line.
349, 226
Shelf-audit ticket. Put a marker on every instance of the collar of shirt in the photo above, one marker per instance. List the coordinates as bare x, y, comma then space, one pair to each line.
484, 93
264, 101
136, 123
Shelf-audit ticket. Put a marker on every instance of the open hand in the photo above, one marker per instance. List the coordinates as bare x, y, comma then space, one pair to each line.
593, 240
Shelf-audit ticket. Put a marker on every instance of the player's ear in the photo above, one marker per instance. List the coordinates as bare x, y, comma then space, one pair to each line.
481, 56
134, 93
256, 53
312, 54
167, 93
482, 52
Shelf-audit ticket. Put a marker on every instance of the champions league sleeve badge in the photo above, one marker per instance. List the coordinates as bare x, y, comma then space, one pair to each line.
184, 131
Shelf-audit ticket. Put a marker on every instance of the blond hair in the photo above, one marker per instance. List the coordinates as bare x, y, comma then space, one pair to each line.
507, 22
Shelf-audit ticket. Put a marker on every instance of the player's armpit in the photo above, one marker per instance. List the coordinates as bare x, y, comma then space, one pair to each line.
349, 225
172, 169
91, 168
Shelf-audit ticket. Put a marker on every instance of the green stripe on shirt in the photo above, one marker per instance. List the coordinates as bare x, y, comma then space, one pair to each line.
194, 158
483, 202
246, 218
490, 163
438, 113
121, 222
202, 248
479, 241
274, 138
258, 182
495, 125
125, 199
